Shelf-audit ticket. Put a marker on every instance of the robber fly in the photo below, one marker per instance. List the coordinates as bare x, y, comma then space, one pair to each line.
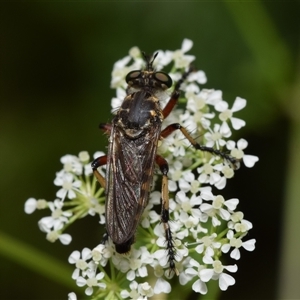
132, 153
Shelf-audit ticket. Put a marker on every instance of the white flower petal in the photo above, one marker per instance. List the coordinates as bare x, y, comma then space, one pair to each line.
250, 160
237, 123
235, 254
65, 239
225, 280
72, 296
221, 183
86, 253
30, 206
225, 248
81, 281
232, 203
206, 274
61, 193
232, 268
124, 294
230, 145
238, 104
71, 194
225, 130
89, 291
162, 286
191, 271
221, 106
130, 275
75, 274
75, 255
249, 245
143, 271
242, 144
206, 193
186, 45
199, 287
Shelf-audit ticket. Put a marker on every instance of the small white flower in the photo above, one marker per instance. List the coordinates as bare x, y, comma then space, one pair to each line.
102, 253
80, 261
198, 286
137, 263
216, 272
145, 289
135, 53
134, 293
189, 205
188, 183
53, 236
196, 114
58, 217
117, 101
211, 96
180, 59
68, 186
198, 76
120, 70
217, 208
92, 280
237, 243
162, 59
178, 144
207, 245
227, 114
71, 164
149, 215
210, 173
249, 160
242, 226
216, 136
72, 296
32, 204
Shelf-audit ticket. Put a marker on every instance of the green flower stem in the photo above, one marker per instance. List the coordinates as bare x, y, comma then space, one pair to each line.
37, 261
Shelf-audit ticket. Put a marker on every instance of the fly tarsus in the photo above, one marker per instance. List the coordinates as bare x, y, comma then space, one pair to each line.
164, 168
104, 238
235, 162
176, 126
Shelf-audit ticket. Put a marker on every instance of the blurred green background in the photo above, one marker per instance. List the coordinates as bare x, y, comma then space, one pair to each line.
55, 68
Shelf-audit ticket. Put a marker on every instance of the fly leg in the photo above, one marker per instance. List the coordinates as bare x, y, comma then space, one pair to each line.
106, 127
163, 165
104, 238
176, 126
102, 160
176, 93
171, 128
98, 162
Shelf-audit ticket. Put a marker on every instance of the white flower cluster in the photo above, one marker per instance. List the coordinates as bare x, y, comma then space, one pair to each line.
205, 225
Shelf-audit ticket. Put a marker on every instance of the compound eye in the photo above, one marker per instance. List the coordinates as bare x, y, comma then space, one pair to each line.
132, 75
164, 78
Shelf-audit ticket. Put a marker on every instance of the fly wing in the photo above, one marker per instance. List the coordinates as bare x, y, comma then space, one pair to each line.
129, 177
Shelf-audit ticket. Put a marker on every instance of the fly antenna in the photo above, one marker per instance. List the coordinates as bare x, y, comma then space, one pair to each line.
149, 61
